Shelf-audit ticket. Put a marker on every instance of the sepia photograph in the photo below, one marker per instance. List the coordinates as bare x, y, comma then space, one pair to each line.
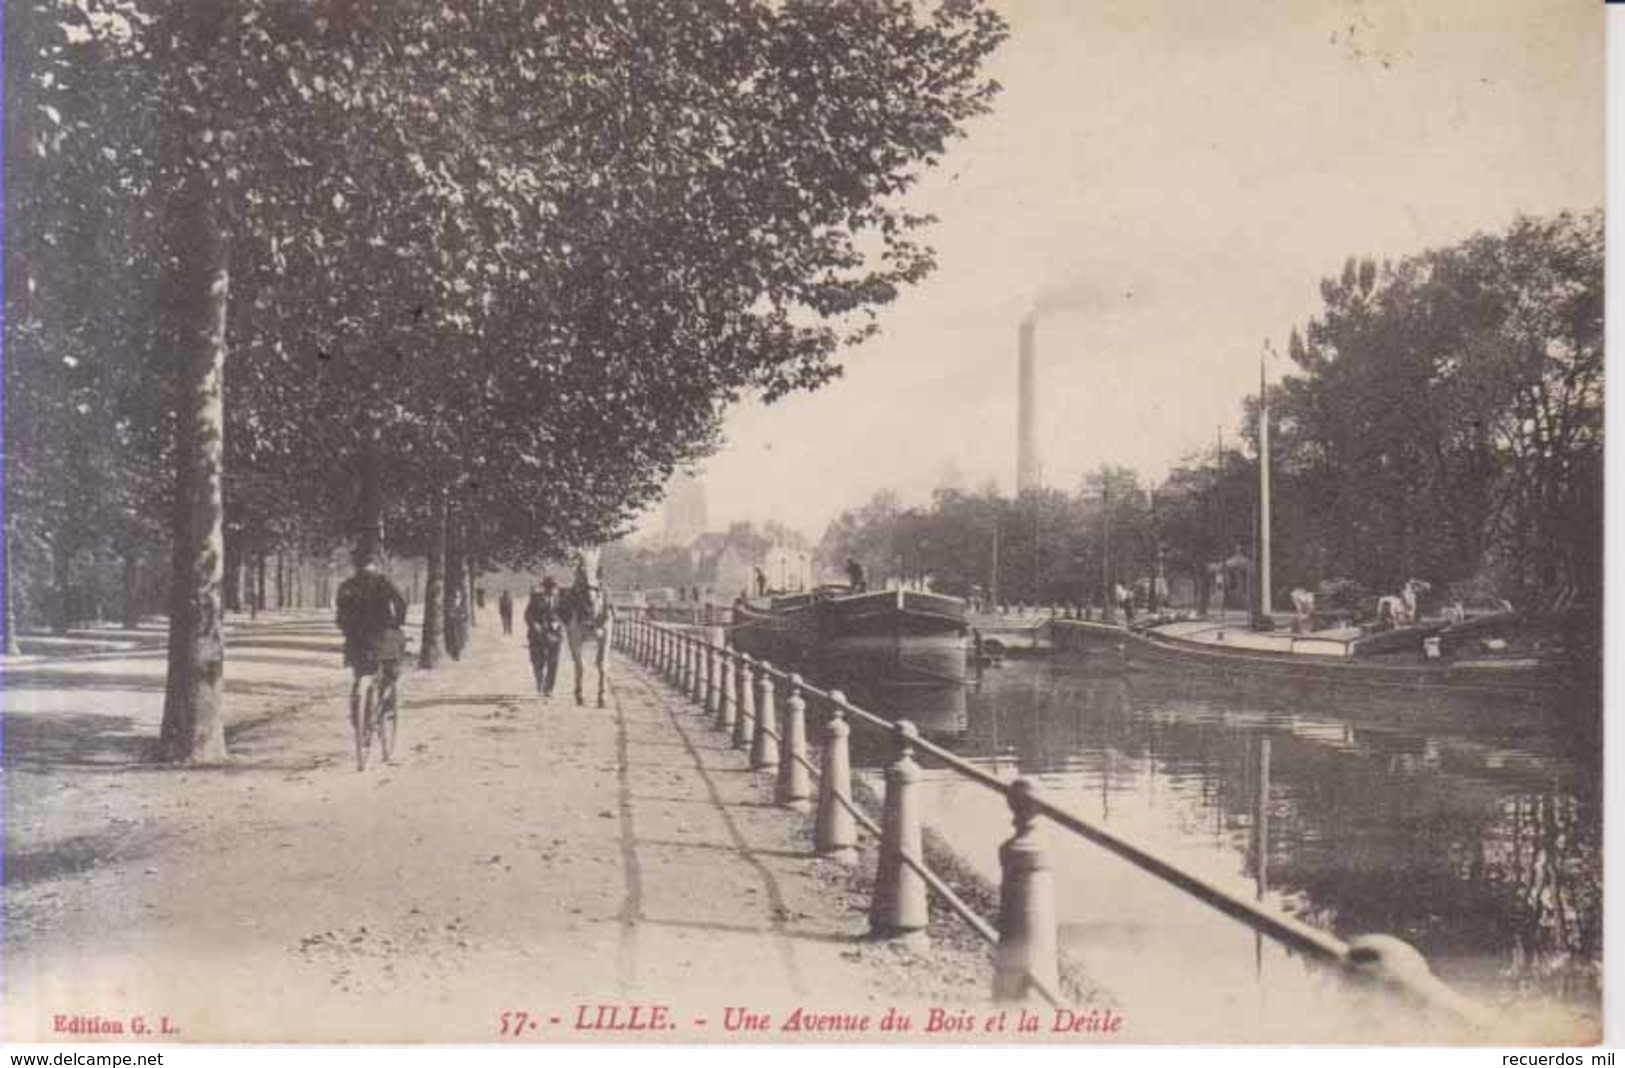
1019, 523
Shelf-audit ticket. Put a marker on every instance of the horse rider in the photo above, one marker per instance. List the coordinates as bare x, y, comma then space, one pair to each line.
372, 616
544, 631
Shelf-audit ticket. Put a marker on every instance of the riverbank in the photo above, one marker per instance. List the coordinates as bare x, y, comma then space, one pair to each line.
522, 856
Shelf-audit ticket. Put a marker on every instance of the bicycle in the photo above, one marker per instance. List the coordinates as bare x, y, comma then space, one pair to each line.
374, 710
375, 713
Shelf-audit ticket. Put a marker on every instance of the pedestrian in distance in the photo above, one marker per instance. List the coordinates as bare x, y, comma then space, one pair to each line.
457, 624
505, 610
544, 632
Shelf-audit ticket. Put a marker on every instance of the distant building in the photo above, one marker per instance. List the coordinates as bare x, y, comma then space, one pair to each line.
702, 555
734, 572
788, 569
727, 566
685, 512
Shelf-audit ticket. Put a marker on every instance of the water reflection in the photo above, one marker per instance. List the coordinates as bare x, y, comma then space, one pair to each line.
1471, 831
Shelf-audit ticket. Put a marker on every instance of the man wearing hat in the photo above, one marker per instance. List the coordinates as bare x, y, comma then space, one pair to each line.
545, 632
372, 617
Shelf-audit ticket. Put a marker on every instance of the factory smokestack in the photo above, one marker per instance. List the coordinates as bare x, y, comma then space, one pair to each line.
1027, 473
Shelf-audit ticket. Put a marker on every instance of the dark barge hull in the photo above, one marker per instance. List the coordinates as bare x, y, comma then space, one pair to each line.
899, 653
1486, 678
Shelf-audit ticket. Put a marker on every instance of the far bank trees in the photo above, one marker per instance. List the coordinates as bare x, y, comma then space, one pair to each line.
1442, 419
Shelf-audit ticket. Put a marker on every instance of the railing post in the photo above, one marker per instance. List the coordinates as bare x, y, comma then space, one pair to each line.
663, 656
702, 670
764, 745
725, 698
743, 713
835, 832
899, 906
710, 702
685, 663
794, 788
1027, 927
691, 665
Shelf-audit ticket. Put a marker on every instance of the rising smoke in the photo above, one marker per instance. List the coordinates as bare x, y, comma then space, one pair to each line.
1084, 297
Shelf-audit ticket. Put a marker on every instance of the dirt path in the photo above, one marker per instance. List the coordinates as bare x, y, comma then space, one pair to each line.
522, 855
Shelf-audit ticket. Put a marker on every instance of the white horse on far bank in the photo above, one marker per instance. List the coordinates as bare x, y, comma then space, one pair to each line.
1401, 609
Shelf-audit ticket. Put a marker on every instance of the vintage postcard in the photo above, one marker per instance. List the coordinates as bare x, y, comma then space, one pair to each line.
1024, 522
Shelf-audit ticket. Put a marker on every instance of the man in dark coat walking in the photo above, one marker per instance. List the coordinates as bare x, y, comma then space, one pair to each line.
544, 630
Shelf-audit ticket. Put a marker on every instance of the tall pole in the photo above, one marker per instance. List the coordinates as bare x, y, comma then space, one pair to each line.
1218, 518
993, 584
1036, 550
1106, 545
1264, 599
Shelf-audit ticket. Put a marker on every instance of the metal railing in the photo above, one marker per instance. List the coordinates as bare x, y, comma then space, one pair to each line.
740, 693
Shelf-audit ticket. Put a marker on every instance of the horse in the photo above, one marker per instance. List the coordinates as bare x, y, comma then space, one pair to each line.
1303, 601
1401, 609
587, 613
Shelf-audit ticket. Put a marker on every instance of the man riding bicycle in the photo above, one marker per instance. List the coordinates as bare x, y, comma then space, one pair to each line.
372, 616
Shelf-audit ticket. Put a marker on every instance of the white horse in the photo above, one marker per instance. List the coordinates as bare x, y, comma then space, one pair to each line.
1303, 601
588, 615
1401, 609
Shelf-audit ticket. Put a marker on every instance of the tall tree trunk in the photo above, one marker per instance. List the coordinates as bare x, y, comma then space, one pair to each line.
433, 652
281, 581
370, 507
132, 587
61, 584
12, 648
456, 585
259, 582
194, 699
233, 591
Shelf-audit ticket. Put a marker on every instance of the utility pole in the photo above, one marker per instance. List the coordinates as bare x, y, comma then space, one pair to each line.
1218, 519
993, 584
1106, 545
1264, 599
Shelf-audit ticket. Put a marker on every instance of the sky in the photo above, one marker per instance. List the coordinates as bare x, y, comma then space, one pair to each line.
1180, 177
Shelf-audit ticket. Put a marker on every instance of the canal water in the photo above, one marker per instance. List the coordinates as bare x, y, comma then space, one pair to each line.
1469, 827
